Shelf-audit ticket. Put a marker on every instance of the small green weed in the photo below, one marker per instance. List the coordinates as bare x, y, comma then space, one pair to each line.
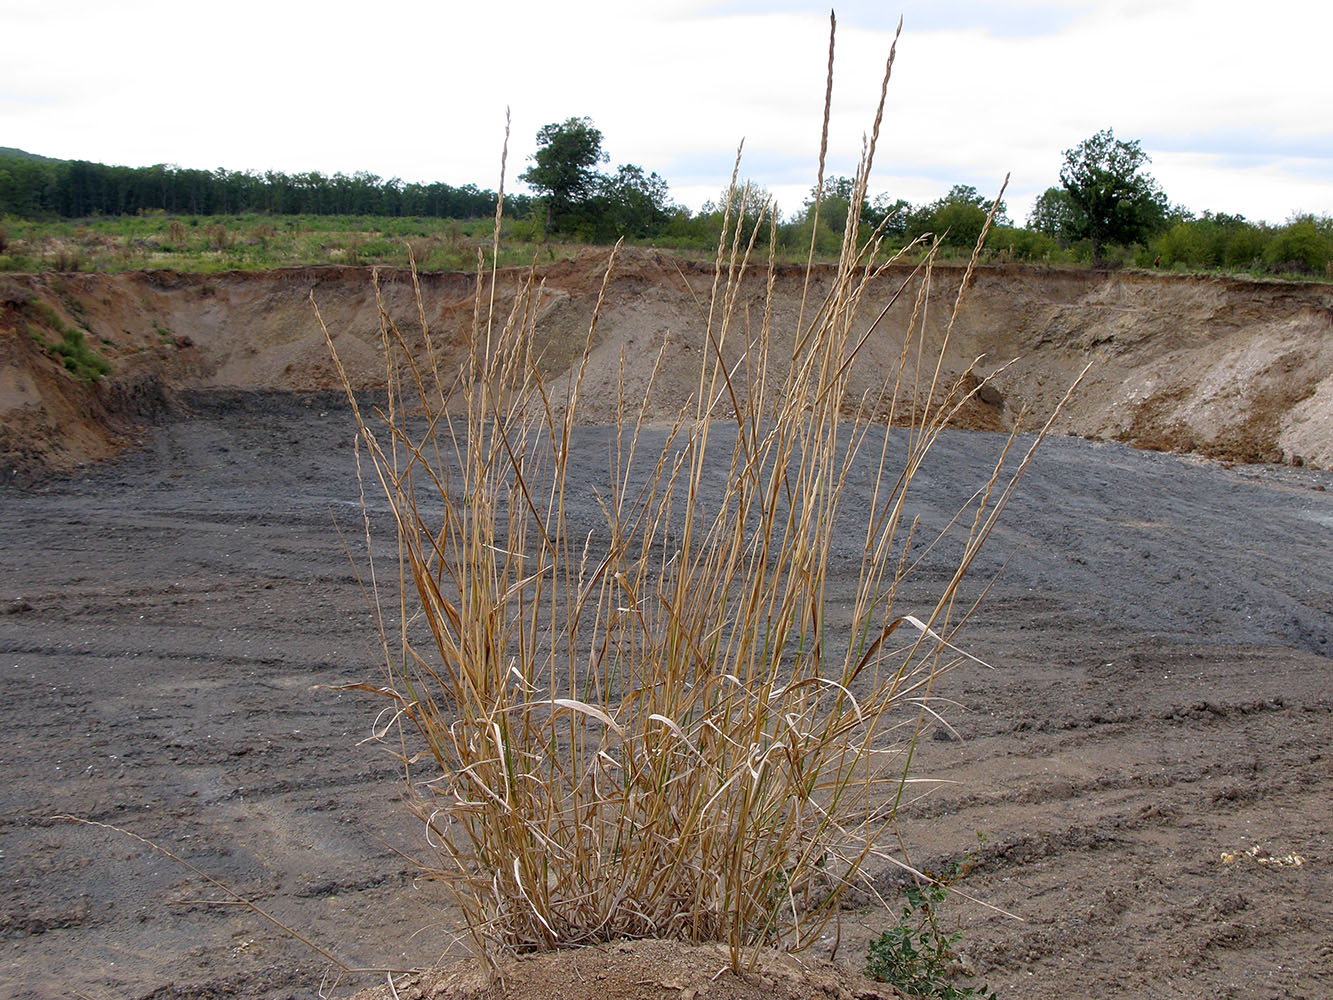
78, 358
917, 955
75, 355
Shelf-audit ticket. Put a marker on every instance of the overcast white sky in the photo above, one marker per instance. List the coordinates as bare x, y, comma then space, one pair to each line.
1233, 101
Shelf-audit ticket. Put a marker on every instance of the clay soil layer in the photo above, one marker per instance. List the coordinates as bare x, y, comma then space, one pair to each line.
1147, 760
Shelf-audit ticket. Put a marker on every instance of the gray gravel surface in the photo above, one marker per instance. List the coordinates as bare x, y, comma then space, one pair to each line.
172, 623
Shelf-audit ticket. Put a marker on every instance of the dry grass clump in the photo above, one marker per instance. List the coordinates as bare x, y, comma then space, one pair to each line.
650, 728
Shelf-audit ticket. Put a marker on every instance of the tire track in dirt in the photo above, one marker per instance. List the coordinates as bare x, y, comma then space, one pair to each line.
174, 623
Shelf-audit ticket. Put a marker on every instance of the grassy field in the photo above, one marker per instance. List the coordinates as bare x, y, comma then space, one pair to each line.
202, 244
255, 242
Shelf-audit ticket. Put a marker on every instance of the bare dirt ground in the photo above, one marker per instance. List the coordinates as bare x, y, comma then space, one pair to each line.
1161, 695
1147, 761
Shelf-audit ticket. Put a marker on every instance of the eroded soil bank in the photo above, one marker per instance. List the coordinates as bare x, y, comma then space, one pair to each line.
1161, 701
1237, 370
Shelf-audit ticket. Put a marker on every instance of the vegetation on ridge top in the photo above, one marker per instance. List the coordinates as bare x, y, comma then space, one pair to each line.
77, 215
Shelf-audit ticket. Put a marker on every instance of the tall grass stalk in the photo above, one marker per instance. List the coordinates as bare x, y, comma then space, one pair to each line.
652, 728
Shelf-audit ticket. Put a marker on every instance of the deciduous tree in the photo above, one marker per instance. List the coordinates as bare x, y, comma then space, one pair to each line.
1300, 246
564, 168
632, 203
1114, 200
1053, 214
957, 218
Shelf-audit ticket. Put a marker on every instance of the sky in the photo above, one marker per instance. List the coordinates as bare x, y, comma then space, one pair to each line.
1233, 102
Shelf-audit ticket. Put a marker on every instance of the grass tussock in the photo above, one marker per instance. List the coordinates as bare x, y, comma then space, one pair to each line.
650, 726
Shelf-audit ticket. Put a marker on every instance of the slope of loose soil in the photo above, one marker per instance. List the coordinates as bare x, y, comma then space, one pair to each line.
1240, 370
627, 970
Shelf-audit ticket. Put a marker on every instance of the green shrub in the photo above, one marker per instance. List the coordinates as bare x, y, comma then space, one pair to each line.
79, 359
796, 238
1023, 244
1300, 247
917, 956
1182, 244
1244, 248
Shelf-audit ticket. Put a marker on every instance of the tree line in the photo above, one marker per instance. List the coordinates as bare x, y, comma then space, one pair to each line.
1107, 204
1106, 208
36, 187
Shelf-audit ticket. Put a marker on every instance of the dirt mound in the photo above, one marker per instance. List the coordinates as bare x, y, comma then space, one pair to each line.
638, 970
1239, 370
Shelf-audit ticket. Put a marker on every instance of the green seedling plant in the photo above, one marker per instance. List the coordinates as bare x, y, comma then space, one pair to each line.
917, 955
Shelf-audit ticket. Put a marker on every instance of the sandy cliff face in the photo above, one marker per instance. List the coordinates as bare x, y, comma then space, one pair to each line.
1240, 370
